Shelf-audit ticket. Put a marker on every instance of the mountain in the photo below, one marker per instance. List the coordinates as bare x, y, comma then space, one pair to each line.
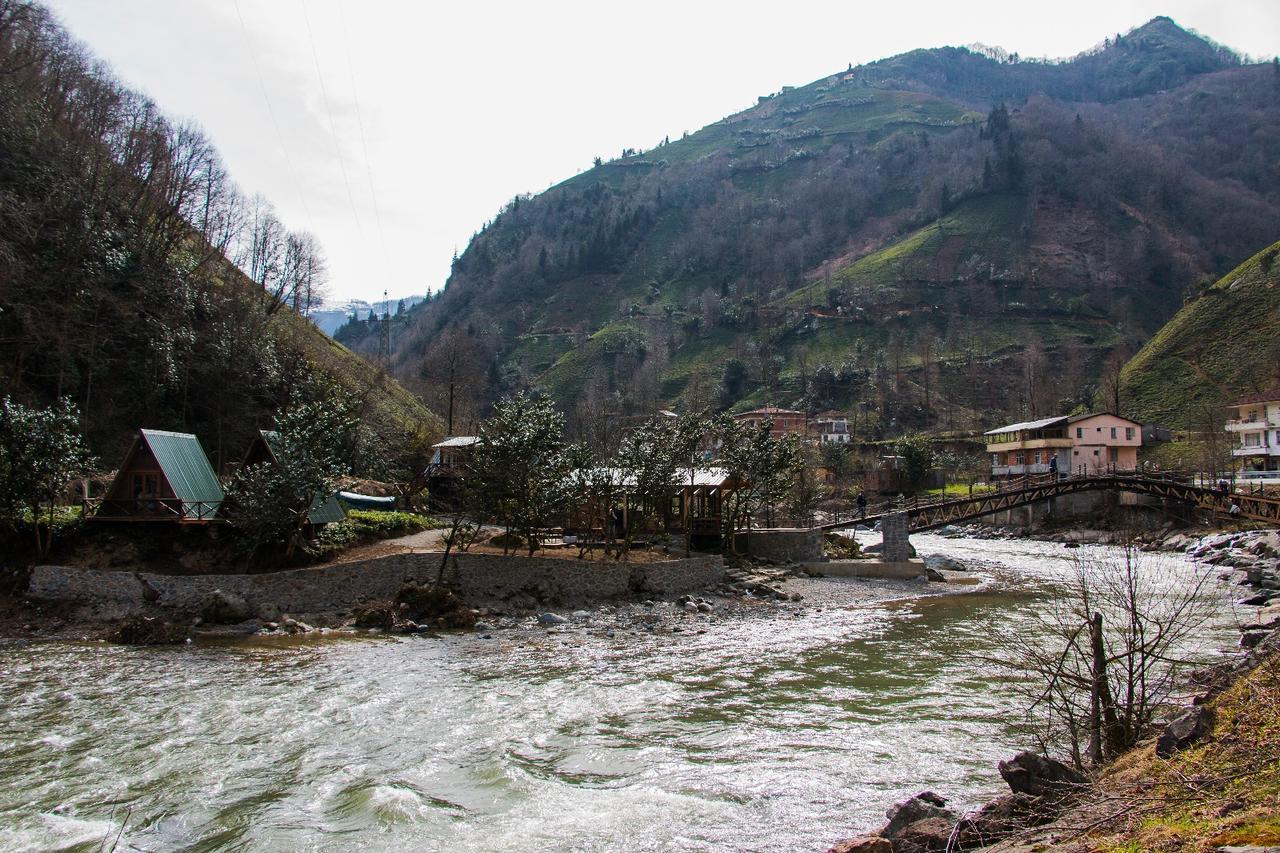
944, 239
117, 287
330, 319
1224, 343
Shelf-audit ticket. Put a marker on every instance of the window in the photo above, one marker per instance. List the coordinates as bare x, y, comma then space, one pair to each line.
1251, 440
1079, 432
1114, 455
1128, 433
1095, 453
1113, 432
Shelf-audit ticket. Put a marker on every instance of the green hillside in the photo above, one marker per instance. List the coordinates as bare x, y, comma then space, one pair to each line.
1223, 344
942, 239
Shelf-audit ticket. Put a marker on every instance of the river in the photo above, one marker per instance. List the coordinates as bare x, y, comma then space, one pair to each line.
780, 732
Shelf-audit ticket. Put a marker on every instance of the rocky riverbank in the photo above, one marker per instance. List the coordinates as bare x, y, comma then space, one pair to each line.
1051, 806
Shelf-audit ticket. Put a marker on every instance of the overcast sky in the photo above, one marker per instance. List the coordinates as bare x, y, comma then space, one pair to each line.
394, 130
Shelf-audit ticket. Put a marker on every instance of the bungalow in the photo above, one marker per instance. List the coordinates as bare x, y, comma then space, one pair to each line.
445, 470
165, 476
1255, 419
1080, 444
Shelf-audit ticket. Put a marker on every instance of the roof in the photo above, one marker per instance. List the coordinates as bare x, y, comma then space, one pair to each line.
769, 410
1271, 395
185, 466
359, 501
701, 476
327, 510
1025, 425
459, 441
1077, 418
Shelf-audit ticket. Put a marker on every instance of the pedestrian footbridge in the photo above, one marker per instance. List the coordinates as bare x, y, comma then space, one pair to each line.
1031, 490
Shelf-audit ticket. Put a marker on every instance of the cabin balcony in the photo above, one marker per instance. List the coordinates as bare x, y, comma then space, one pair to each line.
154, 509
1259, 450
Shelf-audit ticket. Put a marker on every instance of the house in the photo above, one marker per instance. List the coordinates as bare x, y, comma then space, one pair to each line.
263, 450
445, 471
1103, 443
165, 476
1079, 444
1255, 421
785, 421
832, 428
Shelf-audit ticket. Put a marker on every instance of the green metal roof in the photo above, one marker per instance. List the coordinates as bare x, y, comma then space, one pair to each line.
324, 510
186, 468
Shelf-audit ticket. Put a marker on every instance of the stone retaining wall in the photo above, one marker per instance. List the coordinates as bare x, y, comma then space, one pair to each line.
477, 577
782, 544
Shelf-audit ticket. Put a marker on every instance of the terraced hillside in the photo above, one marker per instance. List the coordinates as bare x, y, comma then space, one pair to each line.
1224, 343
941, 239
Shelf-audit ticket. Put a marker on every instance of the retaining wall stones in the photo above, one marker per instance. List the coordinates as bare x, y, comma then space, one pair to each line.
476, 577
782, 544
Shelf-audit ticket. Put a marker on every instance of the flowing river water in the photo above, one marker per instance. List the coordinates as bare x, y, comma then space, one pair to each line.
783, 731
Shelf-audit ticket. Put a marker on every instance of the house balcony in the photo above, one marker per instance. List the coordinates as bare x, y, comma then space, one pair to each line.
1252, 425
1262, 450
1269, 477
1029, 444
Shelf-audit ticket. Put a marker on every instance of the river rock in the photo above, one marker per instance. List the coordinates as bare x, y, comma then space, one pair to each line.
1184, 730
923, 806
380, 616
580, 615
923, 836
1000, 818
148, 631
863, 844
1038, 776
1252, 639
549, 619
225, 608
944, 563
704, 607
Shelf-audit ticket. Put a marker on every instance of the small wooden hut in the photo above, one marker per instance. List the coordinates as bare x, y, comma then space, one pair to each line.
165, 476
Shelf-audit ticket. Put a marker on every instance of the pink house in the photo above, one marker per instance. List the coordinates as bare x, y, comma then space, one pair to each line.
1081, 444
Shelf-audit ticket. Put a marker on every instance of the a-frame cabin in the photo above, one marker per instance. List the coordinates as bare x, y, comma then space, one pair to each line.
165, 476
324, 510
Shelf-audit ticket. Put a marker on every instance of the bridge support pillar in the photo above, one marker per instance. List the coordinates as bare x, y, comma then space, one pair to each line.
897, 545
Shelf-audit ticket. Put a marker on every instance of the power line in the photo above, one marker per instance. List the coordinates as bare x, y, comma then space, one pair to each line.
333, 129
262, 85
364, 145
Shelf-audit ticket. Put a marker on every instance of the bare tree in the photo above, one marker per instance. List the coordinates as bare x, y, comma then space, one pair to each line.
1108, 653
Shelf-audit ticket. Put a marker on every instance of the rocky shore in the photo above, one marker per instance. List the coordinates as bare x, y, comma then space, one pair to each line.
1049, 802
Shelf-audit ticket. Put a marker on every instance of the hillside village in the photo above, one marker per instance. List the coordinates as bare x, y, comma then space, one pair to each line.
923, 410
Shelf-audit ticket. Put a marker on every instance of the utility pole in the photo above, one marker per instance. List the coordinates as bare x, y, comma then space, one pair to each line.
384, 336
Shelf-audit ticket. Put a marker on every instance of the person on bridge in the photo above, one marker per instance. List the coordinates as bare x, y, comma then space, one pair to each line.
1053, 466
862, 505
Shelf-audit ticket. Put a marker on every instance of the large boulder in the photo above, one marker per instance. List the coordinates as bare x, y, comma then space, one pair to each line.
943, 563
1184, 730
1038, 776
380, 616
923, 806
931, 835
225, 608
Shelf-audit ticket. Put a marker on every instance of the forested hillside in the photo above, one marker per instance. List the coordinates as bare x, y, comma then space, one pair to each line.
1223, 344
136, 280
942, 239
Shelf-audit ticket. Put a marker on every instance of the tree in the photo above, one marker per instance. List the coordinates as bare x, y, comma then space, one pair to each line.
917, 455
41, 452
807, 491
761, 467
522, 466
649, 459
687, 436
270, 503
1110, 651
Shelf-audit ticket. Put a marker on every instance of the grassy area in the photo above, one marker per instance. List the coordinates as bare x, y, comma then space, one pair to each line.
979, 231
958, 490
364, 525
1224, 791
1217, 347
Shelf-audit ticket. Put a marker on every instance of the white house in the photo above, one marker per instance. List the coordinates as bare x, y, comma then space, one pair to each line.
1255, 424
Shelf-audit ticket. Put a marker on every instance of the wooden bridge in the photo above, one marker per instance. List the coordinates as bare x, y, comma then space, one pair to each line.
1030, 490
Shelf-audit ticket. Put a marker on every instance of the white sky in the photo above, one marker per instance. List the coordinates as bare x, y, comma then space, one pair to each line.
466, 104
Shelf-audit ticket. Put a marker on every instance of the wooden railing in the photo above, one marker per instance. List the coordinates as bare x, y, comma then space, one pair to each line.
152, 509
